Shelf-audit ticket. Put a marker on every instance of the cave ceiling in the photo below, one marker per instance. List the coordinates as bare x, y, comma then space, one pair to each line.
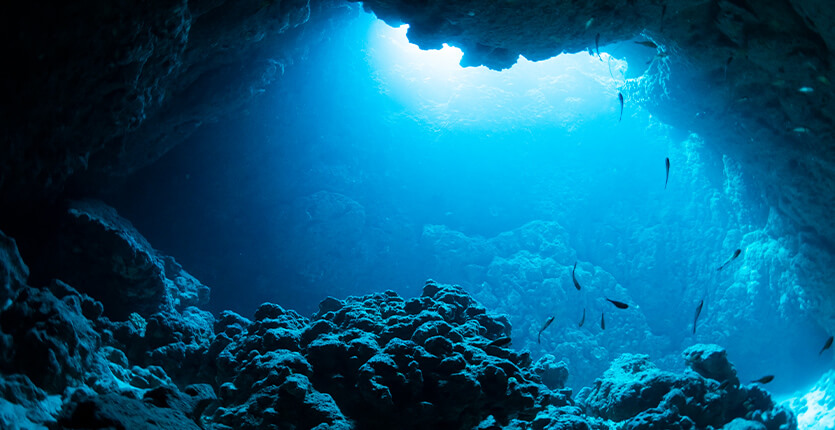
98, 89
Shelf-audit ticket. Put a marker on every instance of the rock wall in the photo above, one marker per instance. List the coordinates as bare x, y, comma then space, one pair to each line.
102, 89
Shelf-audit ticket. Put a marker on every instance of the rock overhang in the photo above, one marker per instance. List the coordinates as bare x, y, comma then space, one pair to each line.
741, 73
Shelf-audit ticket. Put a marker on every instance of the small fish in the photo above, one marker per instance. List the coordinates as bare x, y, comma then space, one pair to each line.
801, 130
589, 22
603, 321
620, 97
827, 345
806, 89
736, 254
698, 312
500, 342
583, 319
764, 380
574, 278
667, 162
822, 79
647, 43
547, 323
619, 305
725, 384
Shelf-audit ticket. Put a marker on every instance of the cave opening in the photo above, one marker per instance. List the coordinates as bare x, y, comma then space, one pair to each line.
433, 214
374, 165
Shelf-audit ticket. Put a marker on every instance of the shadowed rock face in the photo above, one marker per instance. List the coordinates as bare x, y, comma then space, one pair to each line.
106, 88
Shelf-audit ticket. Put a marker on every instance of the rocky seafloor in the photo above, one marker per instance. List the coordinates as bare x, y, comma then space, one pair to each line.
124, 344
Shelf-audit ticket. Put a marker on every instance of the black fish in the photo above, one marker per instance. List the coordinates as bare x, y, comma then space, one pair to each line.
583, 320
667, 162
574, 278
602, 321
647, 43
764, 380
736, 254
502, 341
547, 323
620, 97
826, 345
698, 312
724, 385
619, 305
597, 45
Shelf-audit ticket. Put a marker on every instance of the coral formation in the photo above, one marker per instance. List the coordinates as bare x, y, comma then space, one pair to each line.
635, 392
365, 362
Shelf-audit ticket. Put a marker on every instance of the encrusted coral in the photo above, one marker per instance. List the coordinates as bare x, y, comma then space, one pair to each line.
636, 393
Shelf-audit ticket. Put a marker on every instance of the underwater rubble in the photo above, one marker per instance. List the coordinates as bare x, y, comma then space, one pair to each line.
371, 362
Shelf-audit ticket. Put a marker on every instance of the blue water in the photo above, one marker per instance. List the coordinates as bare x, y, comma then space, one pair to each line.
373, 166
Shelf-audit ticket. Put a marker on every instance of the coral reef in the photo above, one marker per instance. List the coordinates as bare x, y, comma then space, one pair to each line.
636, 393
366, 362
384, 361
439, 360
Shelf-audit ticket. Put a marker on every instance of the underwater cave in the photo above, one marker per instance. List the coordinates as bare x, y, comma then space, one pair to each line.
327, 214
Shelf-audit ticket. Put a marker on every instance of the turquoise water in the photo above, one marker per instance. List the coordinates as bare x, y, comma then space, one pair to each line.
372, 165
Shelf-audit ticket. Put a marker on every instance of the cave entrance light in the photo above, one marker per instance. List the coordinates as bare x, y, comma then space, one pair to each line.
562, 91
